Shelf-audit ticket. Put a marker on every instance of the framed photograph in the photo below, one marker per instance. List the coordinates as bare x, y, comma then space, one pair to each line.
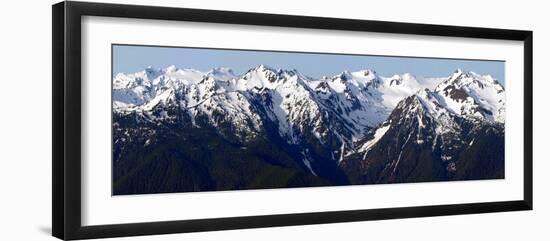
169, 120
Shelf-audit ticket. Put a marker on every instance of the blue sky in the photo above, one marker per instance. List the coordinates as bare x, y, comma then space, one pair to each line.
130, 59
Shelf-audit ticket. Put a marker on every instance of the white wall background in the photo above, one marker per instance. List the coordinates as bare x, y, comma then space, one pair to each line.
25, 119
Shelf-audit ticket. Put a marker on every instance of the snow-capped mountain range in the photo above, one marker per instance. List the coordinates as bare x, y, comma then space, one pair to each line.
329, 122
363, 99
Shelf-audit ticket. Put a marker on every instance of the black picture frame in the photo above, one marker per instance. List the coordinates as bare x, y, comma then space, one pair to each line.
66, 127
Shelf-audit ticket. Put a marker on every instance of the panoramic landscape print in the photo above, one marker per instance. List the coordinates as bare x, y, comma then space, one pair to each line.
198, 119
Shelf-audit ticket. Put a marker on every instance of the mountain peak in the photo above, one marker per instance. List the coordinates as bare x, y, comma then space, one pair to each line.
152, 73
263, 67
171, 68
460, 79
288, 72
223, 70
263, 70
396, 80
343, 76
399, 79
458, 74
408, 76
365, 72
222, 73
345, 72
151, 69
473, 95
